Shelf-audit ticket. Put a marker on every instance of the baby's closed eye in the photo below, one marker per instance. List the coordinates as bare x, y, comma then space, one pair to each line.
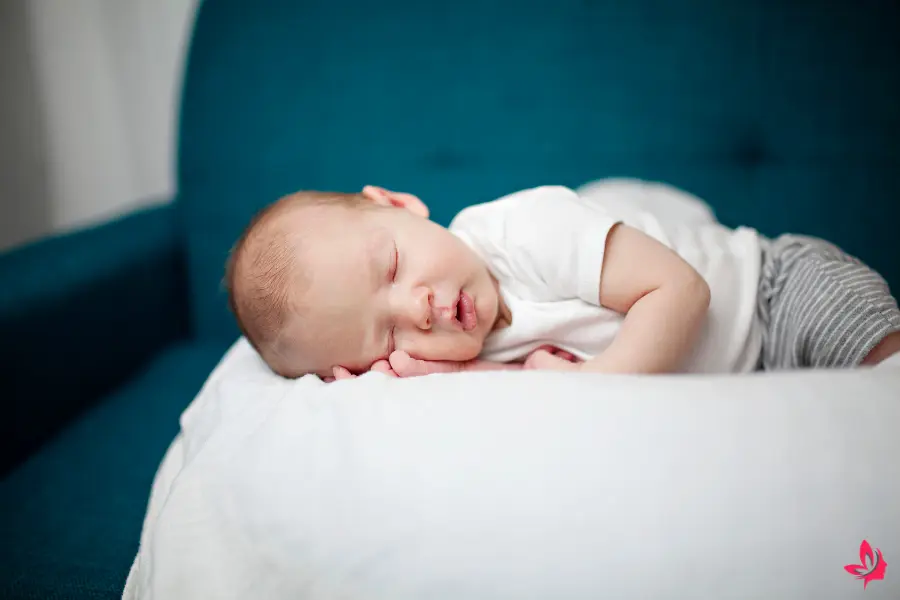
394, 262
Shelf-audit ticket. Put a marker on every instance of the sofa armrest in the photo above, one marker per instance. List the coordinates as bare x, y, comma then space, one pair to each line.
79, 314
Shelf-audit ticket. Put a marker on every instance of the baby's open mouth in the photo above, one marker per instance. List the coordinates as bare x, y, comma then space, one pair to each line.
465, 311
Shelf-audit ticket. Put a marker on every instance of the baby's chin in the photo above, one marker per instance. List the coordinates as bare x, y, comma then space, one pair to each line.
467, 347
468, 355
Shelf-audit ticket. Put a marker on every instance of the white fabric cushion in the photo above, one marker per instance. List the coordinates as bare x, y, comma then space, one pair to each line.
525, 485
669, 204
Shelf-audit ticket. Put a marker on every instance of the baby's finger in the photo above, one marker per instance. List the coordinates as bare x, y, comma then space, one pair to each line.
538, 359
549, 348
541, 359
383, 366
565, 355
328, 379
342, 373
406, 366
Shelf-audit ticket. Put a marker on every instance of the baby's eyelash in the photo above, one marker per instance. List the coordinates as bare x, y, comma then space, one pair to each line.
395, 260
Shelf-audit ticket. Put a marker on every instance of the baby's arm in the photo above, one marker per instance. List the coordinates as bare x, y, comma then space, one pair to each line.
664, 301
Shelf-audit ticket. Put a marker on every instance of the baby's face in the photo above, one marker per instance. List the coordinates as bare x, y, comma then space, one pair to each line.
385, 279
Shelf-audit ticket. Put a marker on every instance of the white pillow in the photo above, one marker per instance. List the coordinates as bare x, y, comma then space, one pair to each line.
668, 203
525, 485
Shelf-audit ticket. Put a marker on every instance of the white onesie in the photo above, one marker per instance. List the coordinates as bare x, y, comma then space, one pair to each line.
545, 247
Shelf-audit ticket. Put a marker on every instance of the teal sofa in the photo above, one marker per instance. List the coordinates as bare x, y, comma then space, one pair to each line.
782, 114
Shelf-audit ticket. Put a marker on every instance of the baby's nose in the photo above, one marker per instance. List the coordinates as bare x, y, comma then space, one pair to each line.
421, 307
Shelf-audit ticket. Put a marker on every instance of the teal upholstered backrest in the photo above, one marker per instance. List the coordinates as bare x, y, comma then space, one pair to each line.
781, 113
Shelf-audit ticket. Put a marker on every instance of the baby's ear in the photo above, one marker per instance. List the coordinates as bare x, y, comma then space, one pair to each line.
385, 197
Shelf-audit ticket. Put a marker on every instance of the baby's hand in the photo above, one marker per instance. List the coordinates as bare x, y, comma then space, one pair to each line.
382, 366
549, 358
401, 364
406, 366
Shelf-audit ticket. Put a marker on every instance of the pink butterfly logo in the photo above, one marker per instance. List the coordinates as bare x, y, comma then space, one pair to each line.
871, 564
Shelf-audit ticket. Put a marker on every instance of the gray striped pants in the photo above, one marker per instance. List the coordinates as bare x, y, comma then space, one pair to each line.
819, 306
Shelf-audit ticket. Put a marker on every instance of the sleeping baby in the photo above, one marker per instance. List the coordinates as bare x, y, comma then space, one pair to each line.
337, 284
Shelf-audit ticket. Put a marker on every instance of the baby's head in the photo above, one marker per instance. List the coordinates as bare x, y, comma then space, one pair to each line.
323, 279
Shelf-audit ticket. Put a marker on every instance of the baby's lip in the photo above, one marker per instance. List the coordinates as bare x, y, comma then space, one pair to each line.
466, 314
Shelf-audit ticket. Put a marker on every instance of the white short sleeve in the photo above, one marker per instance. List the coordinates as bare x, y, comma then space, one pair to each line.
545, 237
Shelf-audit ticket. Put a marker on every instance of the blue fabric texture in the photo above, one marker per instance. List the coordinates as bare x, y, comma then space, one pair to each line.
780, 113
79, 314
72, 513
